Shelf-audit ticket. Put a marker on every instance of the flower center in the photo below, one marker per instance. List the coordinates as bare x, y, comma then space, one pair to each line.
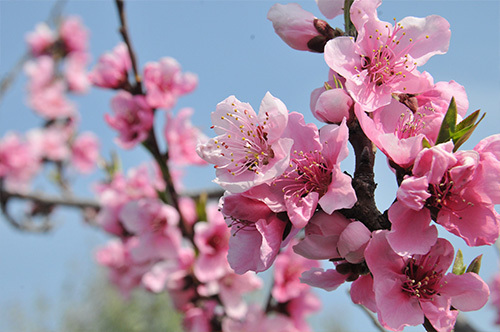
246, 143
422, 279
309, 173
409, 125
388, 62
443, 197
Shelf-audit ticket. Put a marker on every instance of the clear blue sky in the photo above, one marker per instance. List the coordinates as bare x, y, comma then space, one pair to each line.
233, 49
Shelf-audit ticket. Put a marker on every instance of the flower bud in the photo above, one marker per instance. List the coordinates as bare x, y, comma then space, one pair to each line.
331, 106
299, 28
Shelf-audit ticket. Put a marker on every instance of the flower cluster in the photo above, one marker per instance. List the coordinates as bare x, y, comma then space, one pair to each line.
165, 242
287, 202
283, 178
57, 66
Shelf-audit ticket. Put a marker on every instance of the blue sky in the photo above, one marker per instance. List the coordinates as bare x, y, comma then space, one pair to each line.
233, 49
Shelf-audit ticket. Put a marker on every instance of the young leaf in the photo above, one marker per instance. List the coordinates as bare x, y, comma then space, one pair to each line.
468, 121
462, 135
458, 266
475, 265
449, 122
201, 204
426, 144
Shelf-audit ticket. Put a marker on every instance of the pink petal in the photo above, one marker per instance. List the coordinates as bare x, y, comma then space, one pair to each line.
468, 291
411, 232
328, 280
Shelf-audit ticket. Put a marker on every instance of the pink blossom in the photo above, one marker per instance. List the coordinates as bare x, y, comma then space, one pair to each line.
293, 24
257, 320
399, 128
41, 39
256, 233
197, 319
314, 176
409, 287
165, 82
156, 226
328, 280
230, 289
384, 58
331, 8
40, 72
173, 275
300, 307
331, 106
362, 292
74, 34
50, 101
458, 199
249, 149
322, 235
353, 241
112, 68
287, 270
19, 162
75, 72
85, 152
495, 295
49, 143
182, 138
212, 240
124, 272
133, 119
137, 184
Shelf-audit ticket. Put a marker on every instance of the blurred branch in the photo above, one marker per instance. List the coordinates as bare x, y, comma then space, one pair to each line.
462, 325
370, 315
43, 205
9, 78
126, 38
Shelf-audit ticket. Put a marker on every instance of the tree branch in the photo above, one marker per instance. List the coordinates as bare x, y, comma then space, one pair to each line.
126, 38
363, 182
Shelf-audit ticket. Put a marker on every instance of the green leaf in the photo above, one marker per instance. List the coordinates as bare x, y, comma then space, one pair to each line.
449, 123
426, 144
458, 266
462, 135
468, 121
201, 204
475, 265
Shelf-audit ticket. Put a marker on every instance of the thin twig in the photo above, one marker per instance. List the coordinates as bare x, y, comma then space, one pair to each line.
373, 319
126, 38
75, 202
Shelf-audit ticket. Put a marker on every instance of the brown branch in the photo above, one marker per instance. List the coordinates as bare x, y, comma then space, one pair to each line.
126, 38
363, 182
80, 203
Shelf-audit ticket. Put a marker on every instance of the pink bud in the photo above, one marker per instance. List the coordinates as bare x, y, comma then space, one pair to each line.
293, 24
331, 106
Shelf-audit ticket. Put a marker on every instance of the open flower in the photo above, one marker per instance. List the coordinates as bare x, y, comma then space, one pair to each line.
384, 58
314, 176
409, 287
133, 118
250, 149
452, 188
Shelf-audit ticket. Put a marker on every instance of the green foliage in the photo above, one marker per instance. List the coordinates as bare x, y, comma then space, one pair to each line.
460, 132
458, 266
475, 265
104, 309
